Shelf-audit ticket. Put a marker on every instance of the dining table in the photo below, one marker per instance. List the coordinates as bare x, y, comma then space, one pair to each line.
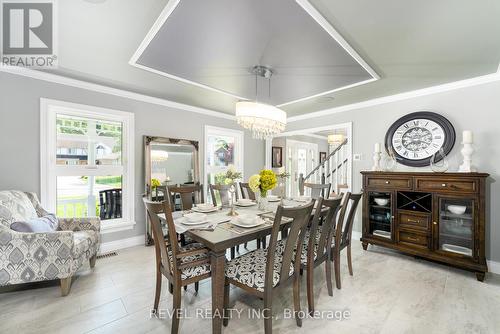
219, 233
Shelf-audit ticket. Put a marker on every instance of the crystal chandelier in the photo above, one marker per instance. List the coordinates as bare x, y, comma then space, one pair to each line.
262, 119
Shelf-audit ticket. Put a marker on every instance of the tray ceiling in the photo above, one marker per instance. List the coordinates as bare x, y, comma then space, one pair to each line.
214, 44
410, 44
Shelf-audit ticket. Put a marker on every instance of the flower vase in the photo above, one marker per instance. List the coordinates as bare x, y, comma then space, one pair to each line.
439, 162
262, 201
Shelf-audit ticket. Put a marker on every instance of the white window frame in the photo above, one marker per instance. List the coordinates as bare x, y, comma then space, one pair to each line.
239, 143
49, 170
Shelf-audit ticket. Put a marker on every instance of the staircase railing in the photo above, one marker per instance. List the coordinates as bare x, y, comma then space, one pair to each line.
332, 170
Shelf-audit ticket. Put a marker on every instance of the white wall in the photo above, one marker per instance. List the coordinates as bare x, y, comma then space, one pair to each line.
20, 134
475, 108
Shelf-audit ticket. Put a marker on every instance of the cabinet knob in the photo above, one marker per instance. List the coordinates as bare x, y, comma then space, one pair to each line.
435, 223
443, 185
387, 182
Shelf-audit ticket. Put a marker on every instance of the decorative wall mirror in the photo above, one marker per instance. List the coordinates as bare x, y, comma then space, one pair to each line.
168, 162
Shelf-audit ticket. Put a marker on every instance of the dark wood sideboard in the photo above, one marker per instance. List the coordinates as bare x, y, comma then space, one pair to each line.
437, 216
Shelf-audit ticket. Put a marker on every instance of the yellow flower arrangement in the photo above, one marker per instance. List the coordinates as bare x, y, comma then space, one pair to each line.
263, 182
155, 183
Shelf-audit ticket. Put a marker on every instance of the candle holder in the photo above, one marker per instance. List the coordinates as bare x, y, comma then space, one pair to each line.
466, 166
232, 212
377, 156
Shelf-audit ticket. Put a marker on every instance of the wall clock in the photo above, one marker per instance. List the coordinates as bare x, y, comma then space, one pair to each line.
416, 137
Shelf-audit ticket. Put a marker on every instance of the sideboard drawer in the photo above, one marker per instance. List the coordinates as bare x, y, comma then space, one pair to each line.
413, 239
415, 220
446, 185
389, 182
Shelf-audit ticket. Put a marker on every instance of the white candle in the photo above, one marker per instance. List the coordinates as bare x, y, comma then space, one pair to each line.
467, 137
377, 148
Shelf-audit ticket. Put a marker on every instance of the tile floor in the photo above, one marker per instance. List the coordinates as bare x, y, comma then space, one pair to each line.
389, 293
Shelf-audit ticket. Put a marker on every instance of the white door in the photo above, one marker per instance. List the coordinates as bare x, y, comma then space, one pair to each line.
302, 158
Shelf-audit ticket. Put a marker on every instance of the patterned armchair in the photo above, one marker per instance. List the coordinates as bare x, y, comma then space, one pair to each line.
33, 257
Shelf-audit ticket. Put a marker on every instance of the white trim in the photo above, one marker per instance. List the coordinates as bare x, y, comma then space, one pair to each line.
493, 267
194, 83
316, 129
328, 92
308, 132
121, 244
320, 19
116, 226
48, 111
165, 13
402, 96
304, 4
58, 79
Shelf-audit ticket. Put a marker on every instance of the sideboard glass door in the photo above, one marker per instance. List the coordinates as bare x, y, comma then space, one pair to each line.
380, 206
456, 226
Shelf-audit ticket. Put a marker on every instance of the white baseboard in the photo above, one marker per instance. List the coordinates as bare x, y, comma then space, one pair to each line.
493, 266
121, 244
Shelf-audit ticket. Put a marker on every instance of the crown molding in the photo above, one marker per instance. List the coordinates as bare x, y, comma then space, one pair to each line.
481, 80
58, 79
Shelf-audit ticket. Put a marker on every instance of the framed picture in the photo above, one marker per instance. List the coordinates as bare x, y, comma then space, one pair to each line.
277, 159
322, 157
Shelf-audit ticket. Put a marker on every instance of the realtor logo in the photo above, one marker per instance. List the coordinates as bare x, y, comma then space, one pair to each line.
28, 33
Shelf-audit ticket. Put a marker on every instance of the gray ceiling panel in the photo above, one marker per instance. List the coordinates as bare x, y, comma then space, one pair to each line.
216, 43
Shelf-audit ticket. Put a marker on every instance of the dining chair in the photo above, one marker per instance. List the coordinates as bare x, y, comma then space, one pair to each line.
223, 191
343, 233
317, 244
246, 192
180, 265
319, 189
263, 272
187, 194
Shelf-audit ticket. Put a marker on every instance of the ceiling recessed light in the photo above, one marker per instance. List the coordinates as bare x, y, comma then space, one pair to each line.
325, 99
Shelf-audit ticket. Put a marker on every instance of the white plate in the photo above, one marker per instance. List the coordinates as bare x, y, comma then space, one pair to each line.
245, 203
303, 199
187, 222
195, 217
212, 209
257, 223
273, 199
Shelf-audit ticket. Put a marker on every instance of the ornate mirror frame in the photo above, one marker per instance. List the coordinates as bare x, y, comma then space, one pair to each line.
148, 140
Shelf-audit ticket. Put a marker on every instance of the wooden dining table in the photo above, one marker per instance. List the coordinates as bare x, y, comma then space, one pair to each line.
225, 236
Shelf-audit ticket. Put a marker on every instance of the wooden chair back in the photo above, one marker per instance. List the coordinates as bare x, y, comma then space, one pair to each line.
292, 244
246, 192
340, 219
110, 204
354, 200
162, 246
223, 191
318, 189
328, 210
188, 194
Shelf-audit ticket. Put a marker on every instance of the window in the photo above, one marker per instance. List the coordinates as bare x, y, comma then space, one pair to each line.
223, 147
87, 163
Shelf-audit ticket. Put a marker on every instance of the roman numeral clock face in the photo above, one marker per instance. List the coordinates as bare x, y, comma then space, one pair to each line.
416, 137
